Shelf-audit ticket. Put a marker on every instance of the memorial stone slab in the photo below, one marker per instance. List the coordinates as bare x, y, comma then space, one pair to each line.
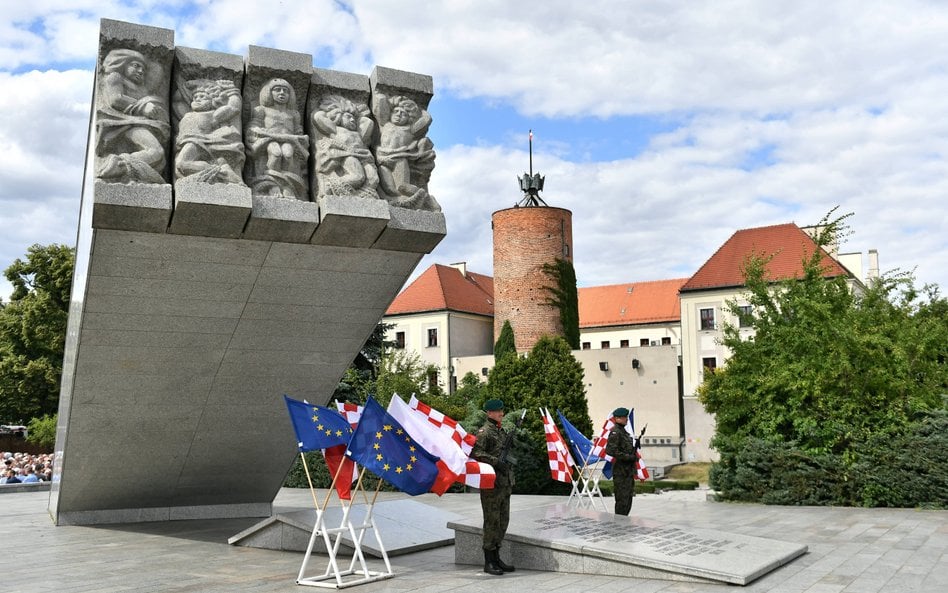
412, 230
134, 208
562, 538
404, 526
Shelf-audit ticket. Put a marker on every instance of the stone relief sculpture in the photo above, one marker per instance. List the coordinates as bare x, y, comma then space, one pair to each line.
405, 155
276, 144
344, 166
131, 120
209, 147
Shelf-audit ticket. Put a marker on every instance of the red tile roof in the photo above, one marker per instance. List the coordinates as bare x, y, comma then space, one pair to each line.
631, 303
444, 288
788, 244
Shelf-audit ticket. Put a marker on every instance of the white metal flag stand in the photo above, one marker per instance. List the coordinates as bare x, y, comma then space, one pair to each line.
358, 571
586, 490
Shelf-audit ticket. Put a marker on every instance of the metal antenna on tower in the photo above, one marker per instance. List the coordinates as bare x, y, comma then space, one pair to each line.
531, 184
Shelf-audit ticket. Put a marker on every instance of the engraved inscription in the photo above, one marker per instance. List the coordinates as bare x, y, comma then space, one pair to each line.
671, 541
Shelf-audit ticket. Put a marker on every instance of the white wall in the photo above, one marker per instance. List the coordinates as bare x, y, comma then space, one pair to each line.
634, 334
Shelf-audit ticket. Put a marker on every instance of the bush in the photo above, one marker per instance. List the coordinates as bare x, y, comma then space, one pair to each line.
650, 486
42, 431
910, 470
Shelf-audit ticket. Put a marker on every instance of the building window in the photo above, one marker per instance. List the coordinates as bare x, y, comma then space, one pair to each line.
400, 340
604, 344
586, 345
432, 337
710, 363
643, 342
666, 341
745, 316
432, 379
623, 343
707, 318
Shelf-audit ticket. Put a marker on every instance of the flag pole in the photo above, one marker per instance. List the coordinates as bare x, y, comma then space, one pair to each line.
310, 480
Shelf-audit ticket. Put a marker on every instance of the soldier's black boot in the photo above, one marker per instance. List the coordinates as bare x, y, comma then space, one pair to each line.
501, 564
490, 565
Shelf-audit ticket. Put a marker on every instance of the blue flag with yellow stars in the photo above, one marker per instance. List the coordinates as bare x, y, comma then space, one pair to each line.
381, 445
317, 427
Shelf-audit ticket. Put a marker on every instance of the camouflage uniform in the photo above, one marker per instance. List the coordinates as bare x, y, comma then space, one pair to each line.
495, 502
623, 451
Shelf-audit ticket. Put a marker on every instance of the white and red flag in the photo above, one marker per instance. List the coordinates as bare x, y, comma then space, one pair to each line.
557, 452
351, 412
445, 424
439, 439
599, 449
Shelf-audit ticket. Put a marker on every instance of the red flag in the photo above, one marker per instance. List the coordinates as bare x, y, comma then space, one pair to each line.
334, 456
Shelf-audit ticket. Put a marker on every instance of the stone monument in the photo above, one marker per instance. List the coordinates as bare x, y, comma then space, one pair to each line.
246, 224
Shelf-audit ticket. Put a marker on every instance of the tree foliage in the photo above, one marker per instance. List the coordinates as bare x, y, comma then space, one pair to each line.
42, 431
564, 296
549, 377
827, 370
33, 332
506, 342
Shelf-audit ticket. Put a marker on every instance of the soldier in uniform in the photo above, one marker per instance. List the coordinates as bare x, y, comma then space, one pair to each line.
621, 447
495, 502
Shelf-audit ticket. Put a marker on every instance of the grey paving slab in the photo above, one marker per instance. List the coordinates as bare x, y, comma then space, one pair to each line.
404, 526
193, 555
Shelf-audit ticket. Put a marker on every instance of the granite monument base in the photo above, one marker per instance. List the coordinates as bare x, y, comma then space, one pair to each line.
405, 526
560, 538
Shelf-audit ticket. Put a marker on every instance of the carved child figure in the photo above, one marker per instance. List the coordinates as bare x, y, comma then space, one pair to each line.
405, 155
132, 121
209, 147
277, 143
344, 164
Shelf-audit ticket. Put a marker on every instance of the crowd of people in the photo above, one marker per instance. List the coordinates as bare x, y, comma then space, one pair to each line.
25, 468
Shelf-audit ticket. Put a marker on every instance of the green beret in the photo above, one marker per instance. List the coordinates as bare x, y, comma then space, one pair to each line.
492, 405
620, 412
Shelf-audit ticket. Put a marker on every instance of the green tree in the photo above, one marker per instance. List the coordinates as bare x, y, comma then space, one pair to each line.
550, 377
404, 373
359, 379
42, 431
505, 344
827, 370
33, 332
564, 296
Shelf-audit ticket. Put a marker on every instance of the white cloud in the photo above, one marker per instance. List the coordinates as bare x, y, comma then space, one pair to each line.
779, 112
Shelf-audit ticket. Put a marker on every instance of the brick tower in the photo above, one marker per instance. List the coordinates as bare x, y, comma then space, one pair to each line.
526, 237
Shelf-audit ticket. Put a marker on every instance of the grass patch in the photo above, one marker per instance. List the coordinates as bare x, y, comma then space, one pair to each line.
697, 472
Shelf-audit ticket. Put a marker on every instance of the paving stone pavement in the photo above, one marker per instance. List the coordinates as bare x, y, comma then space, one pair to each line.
850, 551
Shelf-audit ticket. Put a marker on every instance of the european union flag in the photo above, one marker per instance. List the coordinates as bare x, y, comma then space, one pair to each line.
579, 444
380, 444
317, 427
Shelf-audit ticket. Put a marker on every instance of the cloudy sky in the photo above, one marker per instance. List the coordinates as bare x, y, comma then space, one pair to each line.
664, 126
